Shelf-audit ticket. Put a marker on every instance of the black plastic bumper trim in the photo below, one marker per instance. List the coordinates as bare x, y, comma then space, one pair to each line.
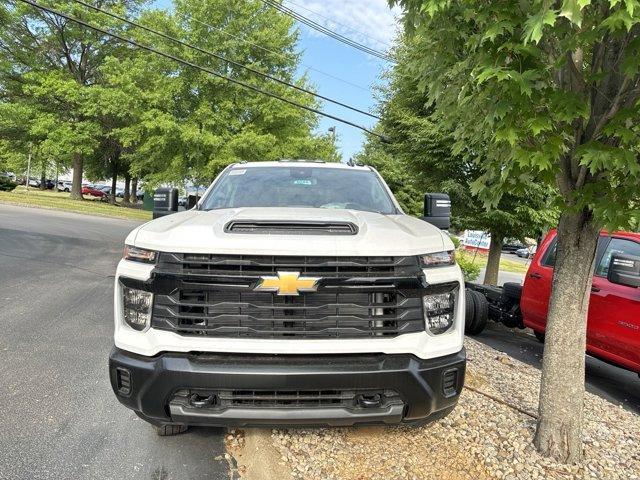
419, 383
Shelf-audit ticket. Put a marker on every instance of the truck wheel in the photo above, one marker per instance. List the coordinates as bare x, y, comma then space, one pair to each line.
169, 430
539, 336
481, 314
512, 291
469, 309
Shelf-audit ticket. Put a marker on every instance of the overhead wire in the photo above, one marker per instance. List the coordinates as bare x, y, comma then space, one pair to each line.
198, 67
265, 49
322, 29
333, 20
224, 59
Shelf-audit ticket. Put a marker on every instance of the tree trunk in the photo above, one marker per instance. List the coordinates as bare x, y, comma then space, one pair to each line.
76, 186
493, 262
134, 190
114, 181
127, 185
559, 429
43, 177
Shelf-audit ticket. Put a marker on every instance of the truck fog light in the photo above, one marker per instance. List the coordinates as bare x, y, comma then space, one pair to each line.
439, 311
137, 308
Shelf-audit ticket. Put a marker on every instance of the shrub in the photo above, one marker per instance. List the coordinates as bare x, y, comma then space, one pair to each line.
6, 184
470, 270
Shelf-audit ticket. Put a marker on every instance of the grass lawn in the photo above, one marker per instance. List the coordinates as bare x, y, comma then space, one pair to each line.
61, 201
506, 264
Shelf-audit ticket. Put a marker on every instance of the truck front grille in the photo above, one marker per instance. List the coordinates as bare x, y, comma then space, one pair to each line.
252, 265
215, 296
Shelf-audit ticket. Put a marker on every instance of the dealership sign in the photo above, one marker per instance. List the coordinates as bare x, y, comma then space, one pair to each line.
472, 239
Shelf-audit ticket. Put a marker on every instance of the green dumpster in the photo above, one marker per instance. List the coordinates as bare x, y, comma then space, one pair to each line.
147, 201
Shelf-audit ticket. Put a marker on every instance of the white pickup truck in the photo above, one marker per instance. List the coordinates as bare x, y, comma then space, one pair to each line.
293, 293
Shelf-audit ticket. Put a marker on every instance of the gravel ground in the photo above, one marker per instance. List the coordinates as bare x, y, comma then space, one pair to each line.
482, 439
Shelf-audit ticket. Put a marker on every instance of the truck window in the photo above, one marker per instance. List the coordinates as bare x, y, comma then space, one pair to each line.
310, 187
549, 259
616, 245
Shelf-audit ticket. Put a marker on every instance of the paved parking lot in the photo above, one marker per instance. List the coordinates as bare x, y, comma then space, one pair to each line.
59, 417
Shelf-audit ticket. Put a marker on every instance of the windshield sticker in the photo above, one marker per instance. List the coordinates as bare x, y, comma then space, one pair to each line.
304, 181
238, 172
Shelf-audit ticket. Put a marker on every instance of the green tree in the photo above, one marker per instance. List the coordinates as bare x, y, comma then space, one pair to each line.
422, 156
553, 89
57, 61
167, 122
189, 124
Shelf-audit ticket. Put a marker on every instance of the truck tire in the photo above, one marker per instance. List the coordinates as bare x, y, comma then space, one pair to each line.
512, 291
170, 430
539, 336
469, 309
481, 314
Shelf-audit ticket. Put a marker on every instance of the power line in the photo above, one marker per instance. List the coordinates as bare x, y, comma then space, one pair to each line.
198, 67
321, 28
224, 59
280, 54
338, 23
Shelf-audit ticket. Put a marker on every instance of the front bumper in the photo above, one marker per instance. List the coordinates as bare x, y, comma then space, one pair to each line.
155, 386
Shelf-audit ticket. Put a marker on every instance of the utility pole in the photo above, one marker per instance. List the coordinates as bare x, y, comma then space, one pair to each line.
28, 168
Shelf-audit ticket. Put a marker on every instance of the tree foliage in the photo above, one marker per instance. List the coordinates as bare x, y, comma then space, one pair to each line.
552, 90
92, 98
423, 155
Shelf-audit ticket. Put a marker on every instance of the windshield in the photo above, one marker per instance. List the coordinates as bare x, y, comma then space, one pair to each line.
312, 187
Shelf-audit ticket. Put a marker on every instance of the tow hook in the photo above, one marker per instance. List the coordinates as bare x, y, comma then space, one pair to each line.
370, 401
200, 401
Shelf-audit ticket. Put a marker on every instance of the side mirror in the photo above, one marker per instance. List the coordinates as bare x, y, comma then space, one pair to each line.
437, 210
192, 200
624, 270
165, 202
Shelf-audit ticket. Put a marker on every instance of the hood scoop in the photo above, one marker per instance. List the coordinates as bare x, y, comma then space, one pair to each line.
287, 227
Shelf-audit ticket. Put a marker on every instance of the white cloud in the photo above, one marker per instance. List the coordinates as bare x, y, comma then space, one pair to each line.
370, 22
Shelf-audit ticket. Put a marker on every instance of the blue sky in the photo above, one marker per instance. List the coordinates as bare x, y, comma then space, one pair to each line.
370, 22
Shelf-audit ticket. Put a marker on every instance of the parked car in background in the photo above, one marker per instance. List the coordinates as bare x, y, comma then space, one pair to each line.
511, 246
613, 323
33, 182
50, 184
527, 252
94, 192
64, 186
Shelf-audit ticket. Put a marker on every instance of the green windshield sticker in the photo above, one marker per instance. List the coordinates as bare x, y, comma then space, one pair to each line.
304, 181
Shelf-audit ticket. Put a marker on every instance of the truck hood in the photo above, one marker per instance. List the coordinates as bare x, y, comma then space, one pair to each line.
197, 231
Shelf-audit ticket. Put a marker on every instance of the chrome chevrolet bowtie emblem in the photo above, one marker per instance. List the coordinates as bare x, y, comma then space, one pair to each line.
288, 283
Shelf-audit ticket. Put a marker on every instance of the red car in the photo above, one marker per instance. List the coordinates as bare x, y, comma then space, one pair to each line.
613, 325
94, 192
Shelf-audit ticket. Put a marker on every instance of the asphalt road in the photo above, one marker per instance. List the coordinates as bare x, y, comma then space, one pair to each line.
59, 418
504, 277
617, 385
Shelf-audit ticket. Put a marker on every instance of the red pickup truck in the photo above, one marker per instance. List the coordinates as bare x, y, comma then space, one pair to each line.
613, 324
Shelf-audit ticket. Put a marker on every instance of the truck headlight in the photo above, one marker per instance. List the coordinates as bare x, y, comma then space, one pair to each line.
437, 259
440, 311
137, 306
136, 254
